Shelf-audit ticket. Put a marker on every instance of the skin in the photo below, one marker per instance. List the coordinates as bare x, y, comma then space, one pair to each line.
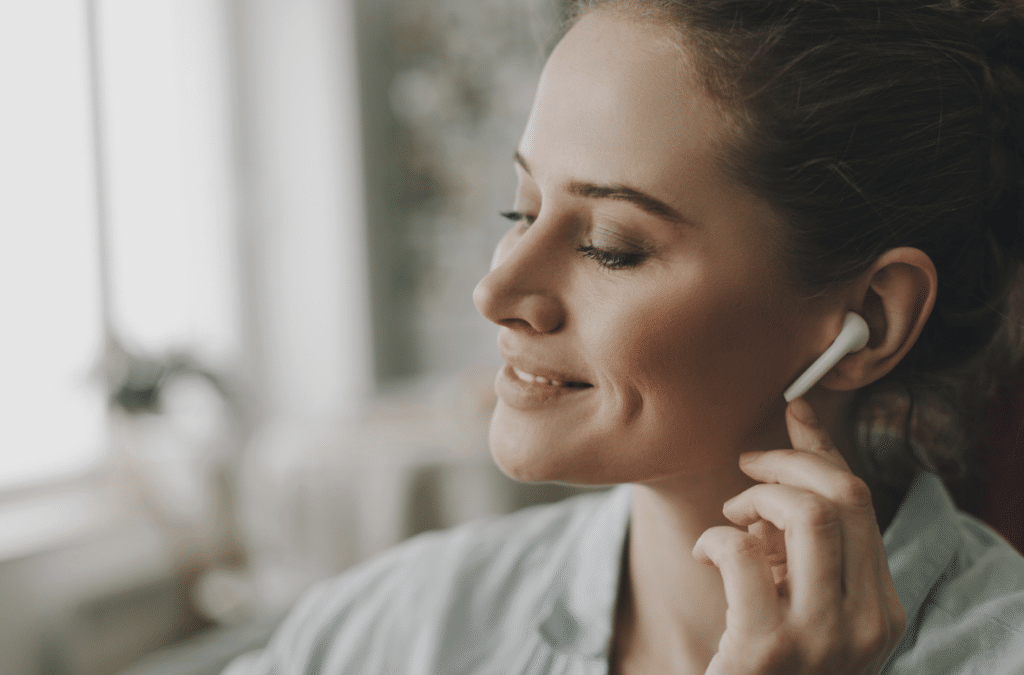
649, 288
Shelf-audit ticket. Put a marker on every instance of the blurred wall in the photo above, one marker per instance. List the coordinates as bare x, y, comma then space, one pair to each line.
363, 151
302, 216
446, 88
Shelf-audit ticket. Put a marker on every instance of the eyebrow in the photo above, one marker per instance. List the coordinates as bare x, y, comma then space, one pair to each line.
617, 192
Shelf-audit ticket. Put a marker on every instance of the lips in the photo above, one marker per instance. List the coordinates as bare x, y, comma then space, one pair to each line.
530, 378
538, 389
529, 381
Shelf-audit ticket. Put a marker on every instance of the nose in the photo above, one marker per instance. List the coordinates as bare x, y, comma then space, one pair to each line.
522, 289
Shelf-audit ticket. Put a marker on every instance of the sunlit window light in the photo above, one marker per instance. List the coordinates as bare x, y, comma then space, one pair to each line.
165, 90
52, 406
166, 180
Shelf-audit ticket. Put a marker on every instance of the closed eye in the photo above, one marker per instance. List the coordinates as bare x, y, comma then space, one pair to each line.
613, 260
518, 217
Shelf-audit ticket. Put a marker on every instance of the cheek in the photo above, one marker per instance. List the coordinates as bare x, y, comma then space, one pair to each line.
679, 356
702, 363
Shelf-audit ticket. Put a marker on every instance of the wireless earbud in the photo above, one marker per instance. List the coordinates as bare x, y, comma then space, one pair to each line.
853, 337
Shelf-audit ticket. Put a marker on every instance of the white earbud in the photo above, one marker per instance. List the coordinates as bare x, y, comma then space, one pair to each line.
853, 337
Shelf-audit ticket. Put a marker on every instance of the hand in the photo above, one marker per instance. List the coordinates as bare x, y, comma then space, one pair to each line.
807, 584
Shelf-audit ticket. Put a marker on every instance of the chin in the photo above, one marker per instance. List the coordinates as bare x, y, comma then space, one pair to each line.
530, 453
516, 469
515, 452
526, 454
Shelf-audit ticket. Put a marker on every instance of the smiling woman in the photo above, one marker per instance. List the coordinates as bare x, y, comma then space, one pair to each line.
708, 191
636, 269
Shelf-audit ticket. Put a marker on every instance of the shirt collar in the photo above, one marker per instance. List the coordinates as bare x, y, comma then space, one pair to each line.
579, 617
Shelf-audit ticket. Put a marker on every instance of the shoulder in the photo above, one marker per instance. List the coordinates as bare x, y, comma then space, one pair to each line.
975, 614
440, 595
970, 617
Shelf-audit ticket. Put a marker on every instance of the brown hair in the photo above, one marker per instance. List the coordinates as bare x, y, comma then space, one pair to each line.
873, 124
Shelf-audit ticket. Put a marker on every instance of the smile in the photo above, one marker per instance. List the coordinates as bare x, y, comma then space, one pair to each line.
524, 390
531, 378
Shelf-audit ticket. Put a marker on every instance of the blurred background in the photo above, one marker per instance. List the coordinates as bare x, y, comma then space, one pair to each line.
239, 353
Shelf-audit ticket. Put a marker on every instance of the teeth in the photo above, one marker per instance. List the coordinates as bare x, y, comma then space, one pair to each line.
529, 377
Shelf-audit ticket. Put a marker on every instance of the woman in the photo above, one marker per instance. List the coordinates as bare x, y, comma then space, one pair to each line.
706, 189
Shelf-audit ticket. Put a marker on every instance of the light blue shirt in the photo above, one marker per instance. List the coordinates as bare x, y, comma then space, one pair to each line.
534, 593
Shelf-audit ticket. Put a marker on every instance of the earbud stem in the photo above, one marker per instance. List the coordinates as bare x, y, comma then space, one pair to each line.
853, 337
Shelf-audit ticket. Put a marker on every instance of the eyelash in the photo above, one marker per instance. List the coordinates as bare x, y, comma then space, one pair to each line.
613, 260
518, 217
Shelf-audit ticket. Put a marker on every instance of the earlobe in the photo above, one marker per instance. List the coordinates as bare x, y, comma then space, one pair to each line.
895, 297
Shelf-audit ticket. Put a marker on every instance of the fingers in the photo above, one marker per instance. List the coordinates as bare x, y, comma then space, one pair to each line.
807, 471
835, 603
750, 590
833, 546
814, 463
813, 531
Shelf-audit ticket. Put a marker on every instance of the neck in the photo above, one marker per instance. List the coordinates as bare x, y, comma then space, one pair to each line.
671, 609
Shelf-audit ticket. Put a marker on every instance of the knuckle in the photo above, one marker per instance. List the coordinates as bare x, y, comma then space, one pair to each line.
820, 646
741, 545
874, 634
728, 544
872, 637
898, 625
778, 652
852, 491
817, 514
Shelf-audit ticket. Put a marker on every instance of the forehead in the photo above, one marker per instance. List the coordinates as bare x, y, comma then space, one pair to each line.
617, 102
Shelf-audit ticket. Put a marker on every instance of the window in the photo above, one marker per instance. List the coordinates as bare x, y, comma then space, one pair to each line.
166, 152
51, 400
155, 181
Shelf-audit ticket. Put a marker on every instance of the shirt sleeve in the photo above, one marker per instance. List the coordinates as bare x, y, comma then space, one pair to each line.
366, 600
466, 601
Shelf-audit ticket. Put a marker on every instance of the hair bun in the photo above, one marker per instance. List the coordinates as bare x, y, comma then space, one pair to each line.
999, 35
998, 32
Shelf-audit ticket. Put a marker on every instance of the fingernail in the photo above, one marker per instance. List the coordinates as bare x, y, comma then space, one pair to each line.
750, 456
803, 411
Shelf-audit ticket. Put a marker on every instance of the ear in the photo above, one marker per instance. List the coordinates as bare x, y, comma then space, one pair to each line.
895, 296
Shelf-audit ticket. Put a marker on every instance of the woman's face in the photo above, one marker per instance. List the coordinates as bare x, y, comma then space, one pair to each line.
646, 327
